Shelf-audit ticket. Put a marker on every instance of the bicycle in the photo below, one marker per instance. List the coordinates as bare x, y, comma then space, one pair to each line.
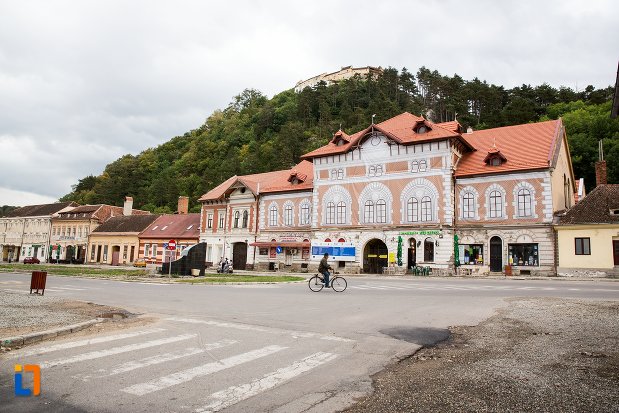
317, 283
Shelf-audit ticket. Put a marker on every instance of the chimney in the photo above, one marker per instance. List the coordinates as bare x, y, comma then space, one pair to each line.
183, 205
600, 173
128, 207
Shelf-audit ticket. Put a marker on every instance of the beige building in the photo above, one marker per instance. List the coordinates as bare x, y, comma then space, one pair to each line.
70, 229
346, 72
588, 235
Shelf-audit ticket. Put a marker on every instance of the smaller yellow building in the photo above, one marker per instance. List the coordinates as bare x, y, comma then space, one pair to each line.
588, 235
116, 241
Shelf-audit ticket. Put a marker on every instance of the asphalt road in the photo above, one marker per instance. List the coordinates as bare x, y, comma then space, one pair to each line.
249, 348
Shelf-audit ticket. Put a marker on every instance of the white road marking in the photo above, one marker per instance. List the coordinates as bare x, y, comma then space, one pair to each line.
235, 394
293, 333
237, 326
203, 370
96, 340
117, 350
157, 359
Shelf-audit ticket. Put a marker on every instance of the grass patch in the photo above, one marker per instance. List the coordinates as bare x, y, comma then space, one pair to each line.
73, 270
228, 278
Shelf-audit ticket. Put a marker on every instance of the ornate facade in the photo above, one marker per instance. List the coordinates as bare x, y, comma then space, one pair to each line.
427, 190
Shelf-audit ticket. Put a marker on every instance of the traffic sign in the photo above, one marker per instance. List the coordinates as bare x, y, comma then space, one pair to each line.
279, 249
172, 245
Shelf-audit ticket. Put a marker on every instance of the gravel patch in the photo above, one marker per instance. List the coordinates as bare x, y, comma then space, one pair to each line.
540, 354
22, 313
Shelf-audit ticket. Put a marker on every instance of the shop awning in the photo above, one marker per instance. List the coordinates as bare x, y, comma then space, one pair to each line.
283, 244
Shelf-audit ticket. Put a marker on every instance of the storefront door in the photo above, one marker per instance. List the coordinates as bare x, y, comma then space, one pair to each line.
375, 257
616, 251
412, 253
496, 254
239, 255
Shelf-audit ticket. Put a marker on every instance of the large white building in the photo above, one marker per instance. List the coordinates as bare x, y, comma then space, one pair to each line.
25, 232
406, 185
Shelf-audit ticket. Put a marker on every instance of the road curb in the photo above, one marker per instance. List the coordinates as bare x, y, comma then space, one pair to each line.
44, 335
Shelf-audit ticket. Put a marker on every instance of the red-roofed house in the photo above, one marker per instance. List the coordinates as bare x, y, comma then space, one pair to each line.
247, 217
404, 181
184, 229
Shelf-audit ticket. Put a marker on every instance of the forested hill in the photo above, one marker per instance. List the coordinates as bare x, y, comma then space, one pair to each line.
257, 134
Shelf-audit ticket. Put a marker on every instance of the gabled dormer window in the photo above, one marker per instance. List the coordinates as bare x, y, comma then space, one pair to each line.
495, 158
421, 127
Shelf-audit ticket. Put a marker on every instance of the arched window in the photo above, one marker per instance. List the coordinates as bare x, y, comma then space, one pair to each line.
368, 212
496, 204
330, 213
245, 218
288, 215
381, 211
273, 216
468, 205
412, 210
426, 209
341, 212
305, 214
524, 203
237, 215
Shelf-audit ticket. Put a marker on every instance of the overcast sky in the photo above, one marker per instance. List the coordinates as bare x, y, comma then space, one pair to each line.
85, 82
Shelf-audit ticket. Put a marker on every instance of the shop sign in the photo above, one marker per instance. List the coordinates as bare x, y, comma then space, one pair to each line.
425, 232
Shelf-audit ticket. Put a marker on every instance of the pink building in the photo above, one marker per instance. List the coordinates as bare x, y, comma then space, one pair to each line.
404, 182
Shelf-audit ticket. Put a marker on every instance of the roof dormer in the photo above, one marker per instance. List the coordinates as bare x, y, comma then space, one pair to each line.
495, 157
421, 127
296, 177
340, 138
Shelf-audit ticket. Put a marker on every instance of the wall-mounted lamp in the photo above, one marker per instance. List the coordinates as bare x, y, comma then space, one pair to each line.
419, 243
436, 243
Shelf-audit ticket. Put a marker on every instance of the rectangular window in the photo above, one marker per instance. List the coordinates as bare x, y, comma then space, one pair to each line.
523, 254
146, 250
582, 246
209, 253
209, 221
104, 253
125, 252
154, 251
92, 253
221, 221
263, 251
471, 254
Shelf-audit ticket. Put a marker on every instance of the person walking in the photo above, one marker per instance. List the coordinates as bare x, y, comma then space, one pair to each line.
324, 268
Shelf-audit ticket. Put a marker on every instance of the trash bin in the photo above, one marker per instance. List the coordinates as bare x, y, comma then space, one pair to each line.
195, 272
37, 282
508, 270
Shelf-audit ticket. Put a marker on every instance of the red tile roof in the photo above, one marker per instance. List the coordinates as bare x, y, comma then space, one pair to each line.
276, 181
399, 128
183, 226
529, 146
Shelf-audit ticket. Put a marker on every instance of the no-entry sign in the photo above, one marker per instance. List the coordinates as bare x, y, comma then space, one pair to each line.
172, 245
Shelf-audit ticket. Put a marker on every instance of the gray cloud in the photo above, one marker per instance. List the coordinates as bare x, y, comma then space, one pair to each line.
83, 83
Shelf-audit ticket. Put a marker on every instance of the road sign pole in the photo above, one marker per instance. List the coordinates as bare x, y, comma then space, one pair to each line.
170, 266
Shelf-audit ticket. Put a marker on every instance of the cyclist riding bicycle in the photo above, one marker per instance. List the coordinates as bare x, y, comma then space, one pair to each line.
324, 268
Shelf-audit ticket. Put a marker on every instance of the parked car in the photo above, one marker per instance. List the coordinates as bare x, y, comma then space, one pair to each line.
31, 260
140, 262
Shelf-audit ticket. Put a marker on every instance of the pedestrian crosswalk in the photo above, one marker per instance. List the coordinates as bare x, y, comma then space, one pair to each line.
159, 363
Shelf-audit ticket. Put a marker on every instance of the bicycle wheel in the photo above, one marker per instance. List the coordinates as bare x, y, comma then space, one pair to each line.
315, 283
338, 284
